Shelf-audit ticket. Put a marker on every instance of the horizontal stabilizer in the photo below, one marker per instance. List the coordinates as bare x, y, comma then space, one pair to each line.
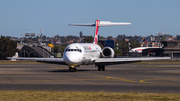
108, 23
103, 23
90, 24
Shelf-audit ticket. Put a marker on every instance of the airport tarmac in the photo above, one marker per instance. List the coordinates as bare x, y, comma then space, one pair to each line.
146, 77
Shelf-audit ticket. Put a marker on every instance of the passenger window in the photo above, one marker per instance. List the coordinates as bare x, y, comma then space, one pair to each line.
75, 49
71, 49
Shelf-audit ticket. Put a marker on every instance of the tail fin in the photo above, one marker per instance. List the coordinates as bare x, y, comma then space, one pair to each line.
15, 56
96, 32
99, 24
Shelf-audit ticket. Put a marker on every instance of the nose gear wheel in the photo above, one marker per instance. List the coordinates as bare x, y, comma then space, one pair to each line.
72, 69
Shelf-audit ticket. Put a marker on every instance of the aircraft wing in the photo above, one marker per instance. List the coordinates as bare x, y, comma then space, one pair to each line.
111, 61
48, 60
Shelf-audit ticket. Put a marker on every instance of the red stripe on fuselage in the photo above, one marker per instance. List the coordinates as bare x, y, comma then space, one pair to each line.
96, 31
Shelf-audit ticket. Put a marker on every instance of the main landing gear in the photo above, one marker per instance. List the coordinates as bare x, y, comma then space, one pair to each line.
101, 67
72, 69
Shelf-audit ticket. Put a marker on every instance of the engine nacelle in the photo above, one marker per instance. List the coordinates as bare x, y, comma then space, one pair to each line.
107, 52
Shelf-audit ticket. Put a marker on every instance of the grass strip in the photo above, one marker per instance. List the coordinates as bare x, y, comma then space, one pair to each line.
20, 62
83, 96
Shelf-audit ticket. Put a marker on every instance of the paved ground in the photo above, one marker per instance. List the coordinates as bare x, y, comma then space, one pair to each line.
142, 78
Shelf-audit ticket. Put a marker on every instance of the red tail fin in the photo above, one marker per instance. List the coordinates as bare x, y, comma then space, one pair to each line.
96, 31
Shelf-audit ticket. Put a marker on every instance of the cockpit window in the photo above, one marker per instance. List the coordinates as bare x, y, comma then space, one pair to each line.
79, 50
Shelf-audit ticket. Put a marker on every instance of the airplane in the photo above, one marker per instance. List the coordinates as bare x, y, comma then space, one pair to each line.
139, 49
77, 54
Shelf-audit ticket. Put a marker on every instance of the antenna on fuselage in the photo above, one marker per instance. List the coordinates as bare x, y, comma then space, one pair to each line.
98, 24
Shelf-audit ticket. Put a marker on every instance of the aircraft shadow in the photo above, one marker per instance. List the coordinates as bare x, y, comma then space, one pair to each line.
67, 70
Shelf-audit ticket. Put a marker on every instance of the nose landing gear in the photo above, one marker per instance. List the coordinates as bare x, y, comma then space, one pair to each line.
72, 69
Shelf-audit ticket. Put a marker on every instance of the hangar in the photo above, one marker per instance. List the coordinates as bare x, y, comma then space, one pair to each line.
34, 51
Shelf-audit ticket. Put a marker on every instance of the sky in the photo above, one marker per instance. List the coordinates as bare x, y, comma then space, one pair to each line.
18, 17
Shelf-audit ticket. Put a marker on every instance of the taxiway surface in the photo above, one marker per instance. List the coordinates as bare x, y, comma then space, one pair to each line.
134, 77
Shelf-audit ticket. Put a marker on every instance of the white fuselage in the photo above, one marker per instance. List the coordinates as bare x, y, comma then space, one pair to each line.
81, 53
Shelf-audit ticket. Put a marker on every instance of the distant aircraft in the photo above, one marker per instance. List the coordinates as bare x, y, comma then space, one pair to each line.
140, 49
77, 54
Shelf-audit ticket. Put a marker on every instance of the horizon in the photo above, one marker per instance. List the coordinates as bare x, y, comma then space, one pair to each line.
89, 35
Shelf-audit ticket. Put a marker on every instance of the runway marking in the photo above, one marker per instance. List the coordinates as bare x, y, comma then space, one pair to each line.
103, 77
58, 67
144, 81
111, 77
119, 79
158, 65
66, 80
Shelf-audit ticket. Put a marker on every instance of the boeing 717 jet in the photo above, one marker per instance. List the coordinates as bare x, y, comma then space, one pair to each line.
77, 54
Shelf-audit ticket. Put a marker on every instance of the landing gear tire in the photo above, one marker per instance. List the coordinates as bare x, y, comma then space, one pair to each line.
101, 67
72, 69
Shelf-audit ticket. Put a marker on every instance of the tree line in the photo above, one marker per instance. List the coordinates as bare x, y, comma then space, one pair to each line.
121, 46
7, 47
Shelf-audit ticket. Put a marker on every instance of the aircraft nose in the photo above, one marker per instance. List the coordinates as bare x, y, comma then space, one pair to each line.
73, 58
